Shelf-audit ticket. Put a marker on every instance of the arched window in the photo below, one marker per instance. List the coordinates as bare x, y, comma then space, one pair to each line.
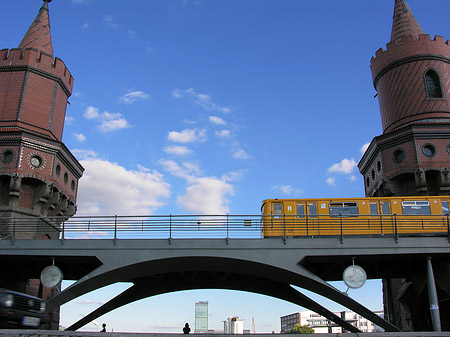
433, 85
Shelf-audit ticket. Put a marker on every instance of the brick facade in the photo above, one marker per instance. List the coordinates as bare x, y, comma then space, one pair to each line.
412, 156
38, 174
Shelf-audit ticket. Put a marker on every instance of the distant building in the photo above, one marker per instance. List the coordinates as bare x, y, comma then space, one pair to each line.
321, 324
201, 317
233, 326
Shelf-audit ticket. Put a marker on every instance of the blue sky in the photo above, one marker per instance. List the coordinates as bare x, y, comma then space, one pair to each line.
211, 106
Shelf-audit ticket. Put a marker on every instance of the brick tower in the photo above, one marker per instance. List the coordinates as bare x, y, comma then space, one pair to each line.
411, 77
412, 156
38, 174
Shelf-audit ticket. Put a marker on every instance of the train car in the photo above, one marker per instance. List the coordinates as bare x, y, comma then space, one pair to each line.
419, 215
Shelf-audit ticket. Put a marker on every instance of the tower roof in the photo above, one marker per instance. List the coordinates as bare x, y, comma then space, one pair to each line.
404, 22
38, 35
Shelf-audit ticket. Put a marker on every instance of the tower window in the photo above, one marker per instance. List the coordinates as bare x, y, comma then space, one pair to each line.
36, 161
7, 156
399, 156
429, 150
433, 85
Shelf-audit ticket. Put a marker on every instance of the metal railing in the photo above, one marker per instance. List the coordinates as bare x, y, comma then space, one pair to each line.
221, 226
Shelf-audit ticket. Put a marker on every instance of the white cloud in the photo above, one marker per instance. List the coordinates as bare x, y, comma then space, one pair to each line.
352, 178
84, 154
113, 125
108, 121
111, 24
80, 137
364, 148
331, 181
69, 120
187, 171
241, 154
148, 50
204, 195
85, 25
346, 166
91, 113
287, 189
207, 195
133, 96
217, 120
187, 136
178, 150
223, 133
107, 188
203, 100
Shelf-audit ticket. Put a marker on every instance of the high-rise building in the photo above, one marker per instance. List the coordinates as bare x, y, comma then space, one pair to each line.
201, 317
233, 326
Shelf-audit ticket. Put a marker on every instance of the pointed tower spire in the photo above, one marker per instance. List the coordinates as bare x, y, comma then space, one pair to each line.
38, 35
404, 23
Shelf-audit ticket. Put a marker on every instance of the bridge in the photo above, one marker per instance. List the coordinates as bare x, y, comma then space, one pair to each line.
161, 254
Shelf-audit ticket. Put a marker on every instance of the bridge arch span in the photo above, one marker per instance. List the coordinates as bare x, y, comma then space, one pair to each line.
258, 274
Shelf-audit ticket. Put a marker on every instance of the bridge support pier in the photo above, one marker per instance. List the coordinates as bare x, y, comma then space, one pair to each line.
433, 298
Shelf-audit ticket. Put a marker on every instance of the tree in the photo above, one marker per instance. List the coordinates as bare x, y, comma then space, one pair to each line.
302, 329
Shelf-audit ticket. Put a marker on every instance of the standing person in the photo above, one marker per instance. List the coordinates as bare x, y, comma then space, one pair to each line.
186, 329
104, 327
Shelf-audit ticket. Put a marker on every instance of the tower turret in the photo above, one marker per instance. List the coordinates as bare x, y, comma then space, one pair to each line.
38, 174
412, 156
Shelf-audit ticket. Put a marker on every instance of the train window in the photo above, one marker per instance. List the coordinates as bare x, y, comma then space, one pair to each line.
416, 207
444, 204
385, 207
312, 209
300, 210
277, 210
343, 209
373, 208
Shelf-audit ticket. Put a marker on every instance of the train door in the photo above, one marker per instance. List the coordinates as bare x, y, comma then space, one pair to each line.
300, 218
312, 219
374, 217
277, 221
386, 223
289, 225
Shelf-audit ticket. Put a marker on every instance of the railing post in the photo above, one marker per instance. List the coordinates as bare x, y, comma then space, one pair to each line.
342, 229
307, 225
395, 228
170, 229
381, 224
62, 232
13, 238
284, 229
115, 229
448, 228
228, 238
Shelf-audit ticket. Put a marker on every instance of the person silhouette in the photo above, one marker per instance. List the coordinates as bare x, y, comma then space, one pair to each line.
186, 329
104, 327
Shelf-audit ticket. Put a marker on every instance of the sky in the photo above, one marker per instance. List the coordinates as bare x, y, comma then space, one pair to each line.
210, 107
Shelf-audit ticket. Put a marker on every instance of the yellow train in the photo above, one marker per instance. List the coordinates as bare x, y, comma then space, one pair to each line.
420, 215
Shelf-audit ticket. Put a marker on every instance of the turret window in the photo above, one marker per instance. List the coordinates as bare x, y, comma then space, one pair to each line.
433, 85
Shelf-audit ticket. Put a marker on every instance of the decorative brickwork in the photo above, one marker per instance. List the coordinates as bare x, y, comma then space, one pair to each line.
412, 156
38, 174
